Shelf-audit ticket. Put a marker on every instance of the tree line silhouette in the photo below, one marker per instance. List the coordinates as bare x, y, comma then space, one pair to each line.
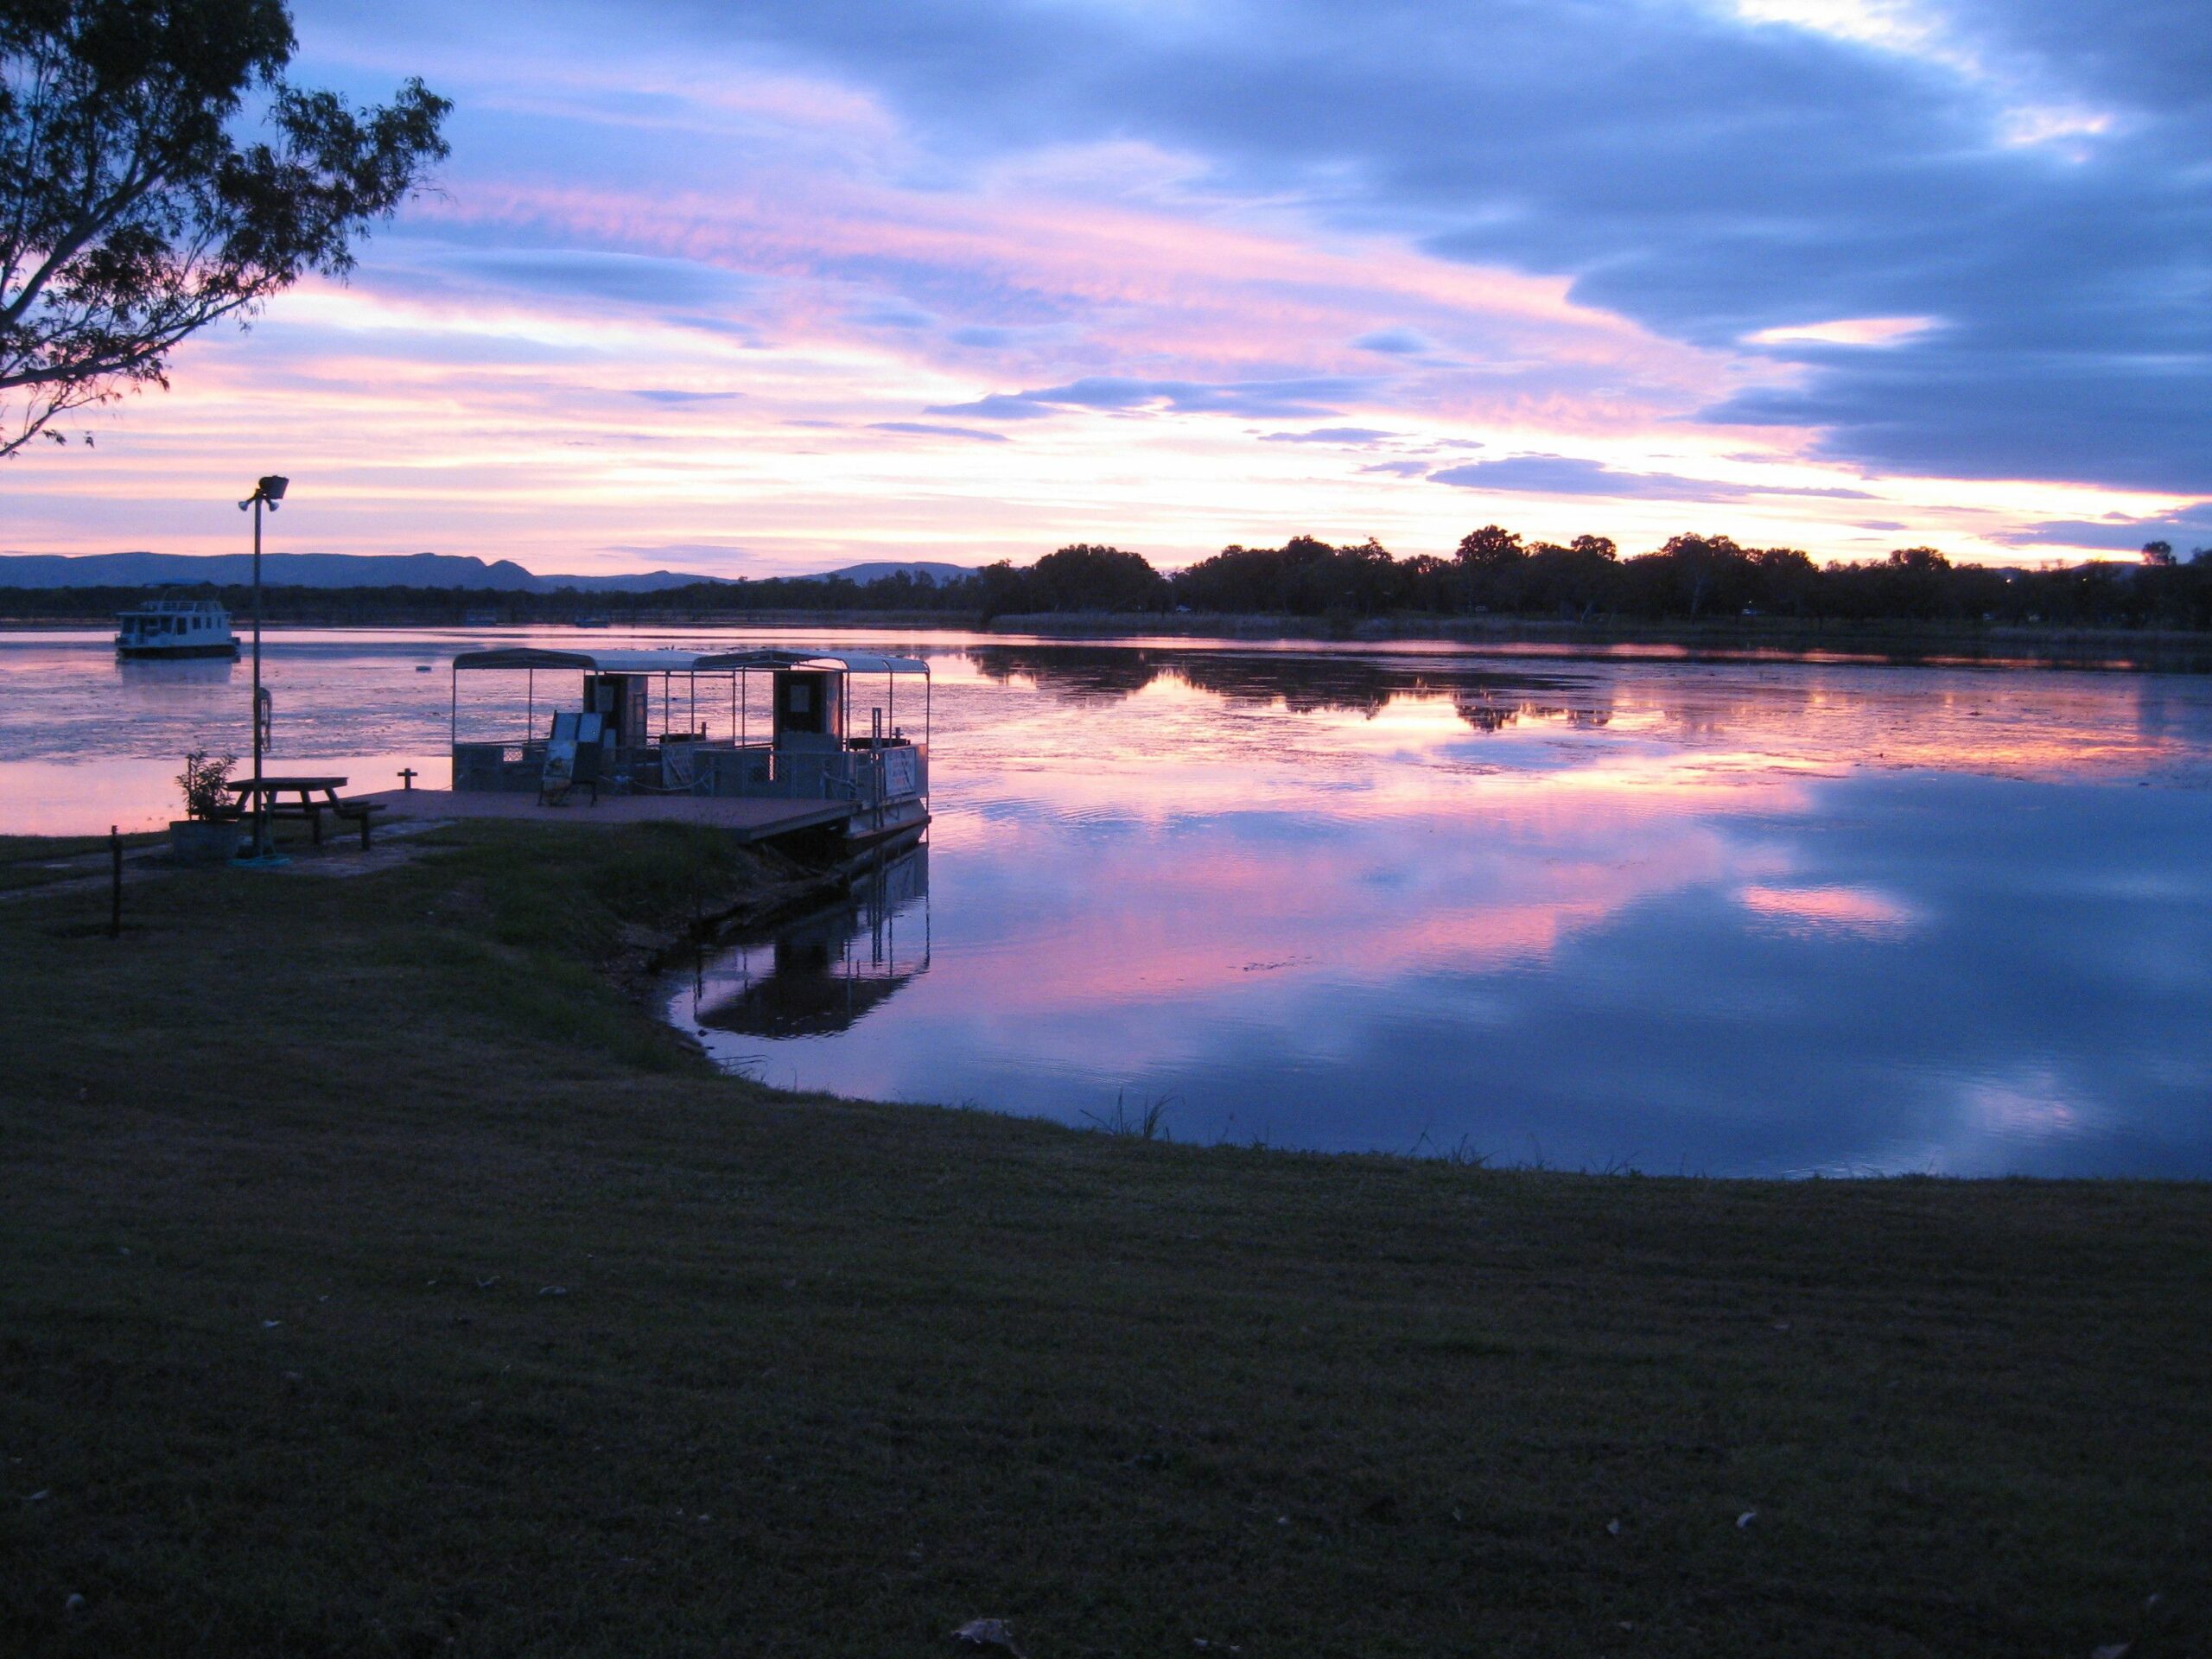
1492, 572
1691, 578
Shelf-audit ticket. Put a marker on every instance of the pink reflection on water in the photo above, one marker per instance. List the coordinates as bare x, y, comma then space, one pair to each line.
1840, 910
1227, 877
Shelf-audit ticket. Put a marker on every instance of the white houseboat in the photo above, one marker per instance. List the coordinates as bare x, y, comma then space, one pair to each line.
166, 628
790, 739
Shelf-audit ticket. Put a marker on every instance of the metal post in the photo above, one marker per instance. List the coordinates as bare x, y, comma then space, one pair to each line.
260, 798
115, 886
267, 491
878, 897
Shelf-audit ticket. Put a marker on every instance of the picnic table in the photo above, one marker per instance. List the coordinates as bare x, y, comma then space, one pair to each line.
314, 797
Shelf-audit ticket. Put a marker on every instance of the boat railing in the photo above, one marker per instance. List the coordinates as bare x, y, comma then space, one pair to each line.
503, 768
866, 776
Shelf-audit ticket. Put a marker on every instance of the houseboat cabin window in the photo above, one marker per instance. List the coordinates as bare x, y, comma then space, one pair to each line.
623, 701
806, 704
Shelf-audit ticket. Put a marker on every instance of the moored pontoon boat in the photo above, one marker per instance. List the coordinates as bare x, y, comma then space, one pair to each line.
758, 725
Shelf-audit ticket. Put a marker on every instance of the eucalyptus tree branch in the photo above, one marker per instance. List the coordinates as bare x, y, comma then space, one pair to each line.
134, 212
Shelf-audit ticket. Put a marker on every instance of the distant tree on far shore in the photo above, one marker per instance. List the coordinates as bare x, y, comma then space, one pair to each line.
1491, 548
132, 215
1084, 578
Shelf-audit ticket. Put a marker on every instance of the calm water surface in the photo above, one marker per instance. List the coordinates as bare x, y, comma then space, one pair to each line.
1735, 918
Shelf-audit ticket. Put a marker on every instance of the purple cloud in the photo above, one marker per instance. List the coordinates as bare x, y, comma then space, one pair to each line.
1344, 435
1396, 342
926, 430
1262, 399
2190, 529
1572, 475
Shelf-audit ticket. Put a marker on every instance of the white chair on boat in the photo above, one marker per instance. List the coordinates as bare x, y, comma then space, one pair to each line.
573, 753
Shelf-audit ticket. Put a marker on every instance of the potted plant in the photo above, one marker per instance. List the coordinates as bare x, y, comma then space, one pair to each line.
208, 832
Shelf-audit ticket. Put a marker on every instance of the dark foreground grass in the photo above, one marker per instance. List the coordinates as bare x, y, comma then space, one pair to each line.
375, 1278
42, 860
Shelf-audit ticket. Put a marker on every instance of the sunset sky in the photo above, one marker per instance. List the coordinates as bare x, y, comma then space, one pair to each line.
781, 286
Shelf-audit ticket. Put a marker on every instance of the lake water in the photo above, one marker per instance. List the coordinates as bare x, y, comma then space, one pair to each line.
1765, 917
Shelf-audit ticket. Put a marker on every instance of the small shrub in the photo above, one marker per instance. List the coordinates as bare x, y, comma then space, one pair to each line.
1148, 1122
204, 781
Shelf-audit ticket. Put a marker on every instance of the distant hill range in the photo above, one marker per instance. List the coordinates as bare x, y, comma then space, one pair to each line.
364, 570
920, 569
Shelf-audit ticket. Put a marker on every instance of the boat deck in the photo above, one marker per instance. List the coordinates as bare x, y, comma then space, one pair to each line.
747, 818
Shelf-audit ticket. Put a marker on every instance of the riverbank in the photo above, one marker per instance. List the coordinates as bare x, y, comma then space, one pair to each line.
379, 1275
1719, 639
1724, 637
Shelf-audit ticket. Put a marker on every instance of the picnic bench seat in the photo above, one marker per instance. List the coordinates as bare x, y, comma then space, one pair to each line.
361, 812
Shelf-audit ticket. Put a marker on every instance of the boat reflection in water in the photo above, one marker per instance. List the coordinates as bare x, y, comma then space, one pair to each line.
152, 672
818, 976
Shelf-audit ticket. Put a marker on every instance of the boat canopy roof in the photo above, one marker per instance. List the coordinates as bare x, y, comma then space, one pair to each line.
684, 662
851, 662
588, 662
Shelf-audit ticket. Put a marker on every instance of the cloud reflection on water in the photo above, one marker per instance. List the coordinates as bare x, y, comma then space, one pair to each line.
1719, 919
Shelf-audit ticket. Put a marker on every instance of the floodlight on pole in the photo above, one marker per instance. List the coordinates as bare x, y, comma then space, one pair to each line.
267, 491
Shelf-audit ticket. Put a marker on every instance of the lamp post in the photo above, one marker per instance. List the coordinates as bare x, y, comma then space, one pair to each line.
269, 491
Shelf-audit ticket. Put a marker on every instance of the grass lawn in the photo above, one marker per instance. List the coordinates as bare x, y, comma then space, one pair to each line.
41, 860
377, 1277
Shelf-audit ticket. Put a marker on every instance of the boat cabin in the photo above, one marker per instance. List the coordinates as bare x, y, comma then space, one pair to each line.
175, 627
791, 724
